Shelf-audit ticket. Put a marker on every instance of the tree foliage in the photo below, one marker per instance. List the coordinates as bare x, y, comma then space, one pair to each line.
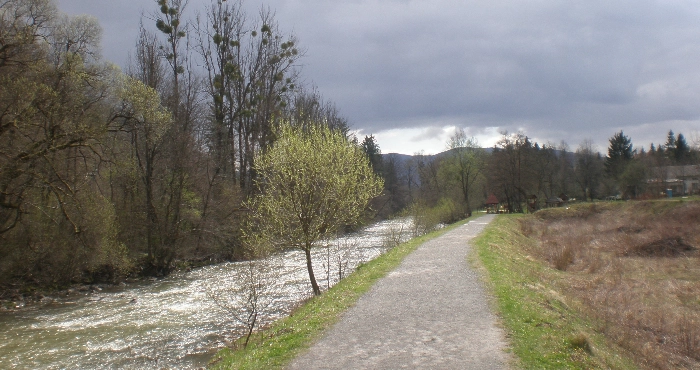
251, 76
312, 181
373, 153
55, 98
676, 148
510, 166
464, 164
620, 153
104, 174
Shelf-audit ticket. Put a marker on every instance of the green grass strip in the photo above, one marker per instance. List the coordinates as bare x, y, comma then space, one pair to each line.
277, 345
545, 330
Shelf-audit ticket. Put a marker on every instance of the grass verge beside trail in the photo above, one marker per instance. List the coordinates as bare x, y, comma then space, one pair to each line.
276, 346
545, 330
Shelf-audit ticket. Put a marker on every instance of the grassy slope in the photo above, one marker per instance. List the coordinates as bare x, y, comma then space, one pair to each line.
545, 331
276, 346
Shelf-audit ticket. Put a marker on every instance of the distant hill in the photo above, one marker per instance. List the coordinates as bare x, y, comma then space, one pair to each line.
401, 159
400, 162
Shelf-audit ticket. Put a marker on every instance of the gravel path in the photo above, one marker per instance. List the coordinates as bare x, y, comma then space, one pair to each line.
429, 313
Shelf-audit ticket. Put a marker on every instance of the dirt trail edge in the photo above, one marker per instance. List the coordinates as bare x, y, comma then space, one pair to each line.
429, 313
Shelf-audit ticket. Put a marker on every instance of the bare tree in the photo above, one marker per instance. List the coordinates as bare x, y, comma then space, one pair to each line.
431, 187
509, 168
248, 296
589, 169
148, 65
251, 74
309, 106
338, 255
268, 74
566, 168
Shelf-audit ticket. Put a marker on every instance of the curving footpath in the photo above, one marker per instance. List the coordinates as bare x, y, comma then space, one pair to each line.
429, 313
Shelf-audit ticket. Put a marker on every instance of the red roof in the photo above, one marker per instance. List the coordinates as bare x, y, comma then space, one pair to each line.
492, 200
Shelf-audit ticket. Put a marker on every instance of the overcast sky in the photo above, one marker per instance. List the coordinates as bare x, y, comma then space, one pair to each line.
409, 72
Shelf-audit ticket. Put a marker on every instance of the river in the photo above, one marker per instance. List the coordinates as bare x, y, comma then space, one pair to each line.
173, 322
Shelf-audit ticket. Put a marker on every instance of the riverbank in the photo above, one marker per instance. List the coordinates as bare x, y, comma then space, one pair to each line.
276, 346
600, 285
545, 330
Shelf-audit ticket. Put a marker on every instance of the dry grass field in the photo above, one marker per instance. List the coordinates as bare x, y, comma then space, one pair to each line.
632, 266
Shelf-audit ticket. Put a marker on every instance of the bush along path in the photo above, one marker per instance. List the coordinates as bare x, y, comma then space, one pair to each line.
430, 312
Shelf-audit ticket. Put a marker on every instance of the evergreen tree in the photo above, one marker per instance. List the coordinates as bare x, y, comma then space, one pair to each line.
670, 145
373, 152
620, 153
682, 149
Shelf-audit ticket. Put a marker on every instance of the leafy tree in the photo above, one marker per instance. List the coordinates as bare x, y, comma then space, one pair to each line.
633, 179
464, 164
676, 150
56, 225
146, 121
23, 24
312, 182
79, 35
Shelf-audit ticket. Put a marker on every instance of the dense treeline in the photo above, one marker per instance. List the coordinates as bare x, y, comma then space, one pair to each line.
105, 173
525, 176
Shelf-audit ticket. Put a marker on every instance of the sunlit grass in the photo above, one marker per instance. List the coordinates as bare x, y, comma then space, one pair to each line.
546, 330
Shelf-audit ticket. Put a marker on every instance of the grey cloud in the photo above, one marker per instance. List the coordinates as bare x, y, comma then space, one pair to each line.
558, 70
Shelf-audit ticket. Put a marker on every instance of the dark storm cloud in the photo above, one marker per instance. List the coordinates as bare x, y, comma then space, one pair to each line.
556, 69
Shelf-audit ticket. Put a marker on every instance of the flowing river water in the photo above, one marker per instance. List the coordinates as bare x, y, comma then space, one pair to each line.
175, 322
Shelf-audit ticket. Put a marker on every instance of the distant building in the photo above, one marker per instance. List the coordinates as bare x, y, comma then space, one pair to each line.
679, 180
492, 204
555, 202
